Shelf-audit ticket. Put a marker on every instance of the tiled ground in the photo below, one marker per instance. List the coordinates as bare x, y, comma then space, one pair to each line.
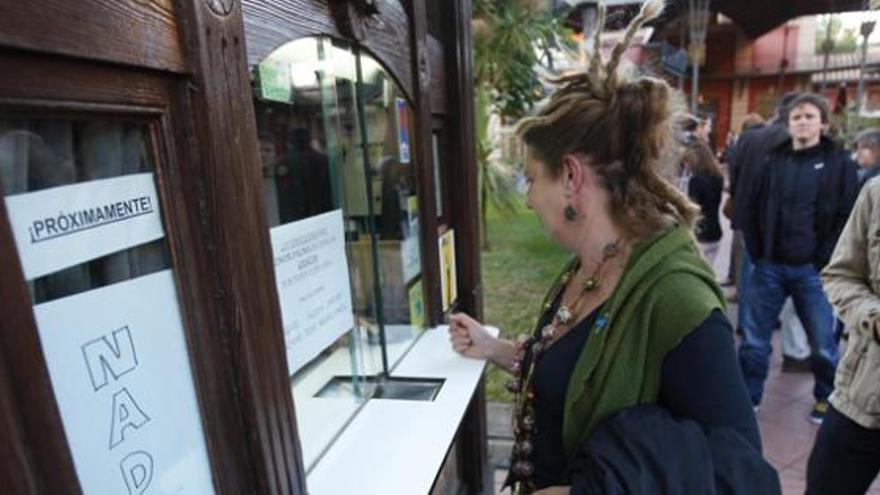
786, 433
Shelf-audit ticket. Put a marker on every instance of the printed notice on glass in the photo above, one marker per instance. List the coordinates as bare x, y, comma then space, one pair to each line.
120, 370
64, 226
311, 271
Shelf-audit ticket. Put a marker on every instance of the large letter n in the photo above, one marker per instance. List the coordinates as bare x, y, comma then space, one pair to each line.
101, 356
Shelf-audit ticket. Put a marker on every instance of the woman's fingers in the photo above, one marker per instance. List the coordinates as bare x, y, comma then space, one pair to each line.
460, 343
462, 320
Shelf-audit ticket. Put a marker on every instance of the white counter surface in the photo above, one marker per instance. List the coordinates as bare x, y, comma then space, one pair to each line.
398, 446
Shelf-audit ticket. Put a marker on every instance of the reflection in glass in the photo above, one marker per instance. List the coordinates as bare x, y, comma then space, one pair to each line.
309, 144
334, 134
388, 127
38, 154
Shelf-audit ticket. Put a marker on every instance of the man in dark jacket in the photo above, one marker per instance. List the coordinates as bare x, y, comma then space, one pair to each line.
796, 205
750, 154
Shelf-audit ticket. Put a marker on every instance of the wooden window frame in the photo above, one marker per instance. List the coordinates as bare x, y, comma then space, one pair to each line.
238, 370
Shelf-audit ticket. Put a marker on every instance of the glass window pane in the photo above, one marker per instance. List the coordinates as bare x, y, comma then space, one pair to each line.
83, 205
334, 134
388, 121
313, 182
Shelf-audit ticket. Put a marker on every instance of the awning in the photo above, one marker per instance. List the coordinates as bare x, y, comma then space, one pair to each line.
755, 17
759, 17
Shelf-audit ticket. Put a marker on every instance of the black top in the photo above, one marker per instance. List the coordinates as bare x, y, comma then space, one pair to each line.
797, 177
748, 155
700, 380
706, 190
767, 212
551, 376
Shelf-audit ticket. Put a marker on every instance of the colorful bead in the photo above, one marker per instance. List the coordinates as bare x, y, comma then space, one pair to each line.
523, 447
592, 284
537, 347
528, 422
548, 332
563, 314
513, 385
523, 469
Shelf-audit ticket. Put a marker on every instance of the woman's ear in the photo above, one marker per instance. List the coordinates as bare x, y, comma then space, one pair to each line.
573, 175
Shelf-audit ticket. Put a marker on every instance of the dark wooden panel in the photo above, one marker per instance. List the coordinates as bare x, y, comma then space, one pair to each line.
437, 71
16, 469
464, 217
425, 160
223, 197
272, 23
21, 355
268, 24
131, 32
462, 158
389, 39
195, 279
46, 78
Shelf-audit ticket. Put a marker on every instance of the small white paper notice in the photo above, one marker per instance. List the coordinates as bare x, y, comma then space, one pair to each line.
64, 226
311, 271
119, 366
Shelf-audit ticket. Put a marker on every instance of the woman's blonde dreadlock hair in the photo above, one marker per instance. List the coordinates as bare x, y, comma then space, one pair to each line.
625, 126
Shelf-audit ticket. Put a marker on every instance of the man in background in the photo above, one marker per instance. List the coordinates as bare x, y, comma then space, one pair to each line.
797, 203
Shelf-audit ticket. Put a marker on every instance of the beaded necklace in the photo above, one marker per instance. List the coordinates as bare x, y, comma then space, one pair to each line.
568, 313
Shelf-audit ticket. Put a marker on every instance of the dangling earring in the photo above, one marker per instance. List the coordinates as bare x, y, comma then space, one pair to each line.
569, 213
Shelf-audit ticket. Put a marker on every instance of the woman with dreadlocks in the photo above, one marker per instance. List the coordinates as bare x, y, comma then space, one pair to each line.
636, 318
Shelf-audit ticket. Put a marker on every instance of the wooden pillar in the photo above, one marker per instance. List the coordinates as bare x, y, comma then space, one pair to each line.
425, 156
464, 214
248, 410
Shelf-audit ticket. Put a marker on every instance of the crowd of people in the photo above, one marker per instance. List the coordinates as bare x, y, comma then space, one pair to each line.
806, 259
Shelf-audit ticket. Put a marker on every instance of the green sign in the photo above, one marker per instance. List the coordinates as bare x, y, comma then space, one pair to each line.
275, 81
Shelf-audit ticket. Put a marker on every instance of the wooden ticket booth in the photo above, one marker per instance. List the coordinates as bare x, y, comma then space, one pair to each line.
229, 236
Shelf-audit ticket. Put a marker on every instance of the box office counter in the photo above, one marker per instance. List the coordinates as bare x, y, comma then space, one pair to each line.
393, 445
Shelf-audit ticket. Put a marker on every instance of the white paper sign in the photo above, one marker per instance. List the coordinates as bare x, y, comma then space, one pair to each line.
311, 271
119, 366
64, 226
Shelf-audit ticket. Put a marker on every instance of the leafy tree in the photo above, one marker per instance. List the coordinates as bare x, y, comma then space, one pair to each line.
843, 40
510, 37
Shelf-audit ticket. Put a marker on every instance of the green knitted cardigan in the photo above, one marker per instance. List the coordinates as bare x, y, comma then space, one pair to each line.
666, 290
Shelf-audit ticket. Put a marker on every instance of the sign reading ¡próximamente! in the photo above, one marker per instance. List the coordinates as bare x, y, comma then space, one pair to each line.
64, 226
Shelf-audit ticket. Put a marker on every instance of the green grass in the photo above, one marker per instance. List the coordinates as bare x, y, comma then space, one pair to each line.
518, 269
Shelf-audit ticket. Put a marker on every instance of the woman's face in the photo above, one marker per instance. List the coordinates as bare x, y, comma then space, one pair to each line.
546, 195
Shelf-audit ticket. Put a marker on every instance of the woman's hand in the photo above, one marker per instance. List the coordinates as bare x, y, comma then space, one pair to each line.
469, 338
554, 490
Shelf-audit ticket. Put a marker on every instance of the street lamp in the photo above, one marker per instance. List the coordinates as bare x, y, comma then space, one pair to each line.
698, 22
865, 30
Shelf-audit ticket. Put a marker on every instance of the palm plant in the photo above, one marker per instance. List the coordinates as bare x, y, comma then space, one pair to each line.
509, 38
